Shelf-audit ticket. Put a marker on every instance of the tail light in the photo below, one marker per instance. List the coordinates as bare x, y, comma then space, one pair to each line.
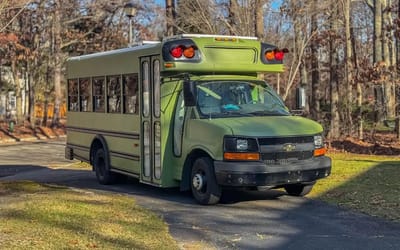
176, 52
189, 52
181, 50
276, 54
270, 54
279, 55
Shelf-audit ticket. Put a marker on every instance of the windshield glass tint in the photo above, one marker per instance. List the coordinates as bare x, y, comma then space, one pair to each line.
238, 98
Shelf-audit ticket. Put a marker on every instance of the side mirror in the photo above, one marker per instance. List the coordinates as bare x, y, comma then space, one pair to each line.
189, 92
300, 98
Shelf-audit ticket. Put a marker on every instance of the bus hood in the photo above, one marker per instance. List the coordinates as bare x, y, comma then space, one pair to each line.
270, 126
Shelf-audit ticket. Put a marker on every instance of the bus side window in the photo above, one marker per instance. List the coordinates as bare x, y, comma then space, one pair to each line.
114, 94
98, 94
130, 85
73, 95
85, 94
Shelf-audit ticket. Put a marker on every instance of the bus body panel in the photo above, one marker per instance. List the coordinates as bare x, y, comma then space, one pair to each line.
239, 56
270, 126
170, 162
226, 60
83, 127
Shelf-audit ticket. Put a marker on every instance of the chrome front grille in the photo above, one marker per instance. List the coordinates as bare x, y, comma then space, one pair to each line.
284, 151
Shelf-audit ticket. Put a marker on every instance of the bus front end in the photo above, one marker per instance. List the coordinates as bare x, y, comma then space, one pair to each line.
252, 139
231, 129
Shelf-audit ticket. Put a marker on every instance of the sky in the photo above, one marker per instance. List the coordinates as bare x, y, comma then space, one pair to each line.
161, 2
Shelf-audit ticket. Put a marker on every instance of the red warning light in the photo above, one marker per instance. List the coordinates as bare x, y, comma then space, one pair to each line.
279, 55
176, 51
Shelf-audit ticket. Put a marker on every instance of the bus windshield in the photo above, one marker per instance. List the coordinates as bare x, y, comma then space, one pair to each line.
220, 99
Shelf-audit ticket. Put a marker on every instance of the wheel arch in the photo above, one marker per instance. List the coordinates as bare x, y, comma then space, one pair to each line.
187, 167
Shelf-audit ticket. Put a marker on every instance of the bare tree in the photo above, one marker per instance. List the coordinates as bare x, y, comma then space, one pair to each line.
196, 16
349, 78
170, 15
334, 131
315, 81
259, 18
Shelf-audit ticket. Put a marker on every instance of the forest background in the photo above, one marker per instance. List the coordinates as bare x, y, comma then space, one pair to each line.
344, 53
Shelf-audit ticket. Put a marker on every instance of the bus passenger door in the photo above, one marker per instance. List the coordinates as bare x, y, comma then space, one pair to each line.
150, 111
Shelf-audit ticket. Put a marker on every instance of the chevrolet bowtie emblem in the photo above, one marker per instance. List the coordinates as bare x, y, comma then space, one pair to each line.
289, 147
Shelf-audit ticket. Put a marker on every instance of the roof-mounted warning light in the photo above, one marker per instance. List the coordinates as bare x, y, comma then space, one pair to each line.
181, 50
275, 54
270, 54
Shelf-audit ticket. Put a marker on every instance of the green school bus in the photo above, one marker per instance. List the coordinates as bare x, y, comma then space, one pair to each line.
191, 112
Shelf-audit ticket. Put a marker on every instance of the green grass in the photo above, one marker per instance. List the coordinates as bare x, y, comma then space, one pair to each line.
39, 216
36, 216
369, 184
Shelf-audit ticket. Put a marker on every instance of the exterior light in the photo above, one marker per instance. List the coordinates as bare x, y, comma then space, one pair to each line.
130, 11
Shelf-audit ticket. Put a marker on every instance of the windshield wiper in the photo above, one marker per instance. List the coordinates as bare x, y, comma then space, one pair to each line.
268, 113
236, 113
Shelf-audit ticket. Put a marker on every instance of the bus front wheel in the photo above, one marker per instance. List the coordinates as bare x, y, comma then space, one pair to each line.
203, 182
102, 168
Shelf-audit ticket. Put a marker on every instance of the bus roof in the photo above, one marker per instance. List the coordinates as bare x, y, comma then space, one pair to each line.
185, 53
116, 51
208, 36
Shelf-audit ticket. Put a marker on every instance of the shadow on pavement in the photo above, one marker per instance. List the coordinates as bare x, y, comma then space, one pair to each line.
243, 219
85, 178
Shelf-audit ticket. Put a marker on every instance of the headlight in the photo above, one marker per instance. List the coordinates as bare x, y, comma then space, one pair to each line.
242, 144
318, 141
237, 144
319, 145
241, 149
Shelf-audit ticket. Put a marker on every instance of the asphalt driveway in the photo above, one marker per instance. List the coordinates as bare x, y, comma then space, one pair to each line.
243, 220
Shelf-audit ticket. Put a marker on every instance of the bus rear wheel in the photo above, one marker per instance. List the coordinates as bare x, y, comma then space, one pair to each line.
203, 182
299, 189
102, 168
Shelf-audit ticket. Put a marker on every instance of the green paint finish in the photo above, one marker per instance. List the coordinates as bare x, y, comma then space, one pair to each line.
237, 60
240, 56
170, 163
269, 126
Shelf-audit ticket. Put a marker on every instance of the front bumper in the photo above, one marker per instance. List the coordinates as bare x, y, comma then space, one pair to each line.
252, 174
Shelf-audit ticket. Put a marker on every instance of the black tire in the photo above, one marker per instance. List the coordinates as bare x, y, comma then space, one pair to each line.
299, 189
102, 168
203, 182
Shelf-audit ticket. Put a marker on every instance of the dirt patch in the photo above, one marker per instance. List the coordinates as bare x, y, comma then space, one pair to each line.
380, 143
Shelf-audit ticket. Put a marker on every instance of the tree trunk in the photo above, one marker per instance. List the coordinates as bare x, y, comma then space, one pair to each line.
170, 13
349, 68
397, 51
334, 132
233, 17
359, 92
378, 55
389, 85
57, 65
315, 93
259, 18
378, 31
18, 93
32, 115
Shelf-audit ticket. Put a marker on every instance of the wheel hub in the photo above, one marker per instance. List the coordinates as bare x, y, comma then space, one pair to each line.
198, 181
